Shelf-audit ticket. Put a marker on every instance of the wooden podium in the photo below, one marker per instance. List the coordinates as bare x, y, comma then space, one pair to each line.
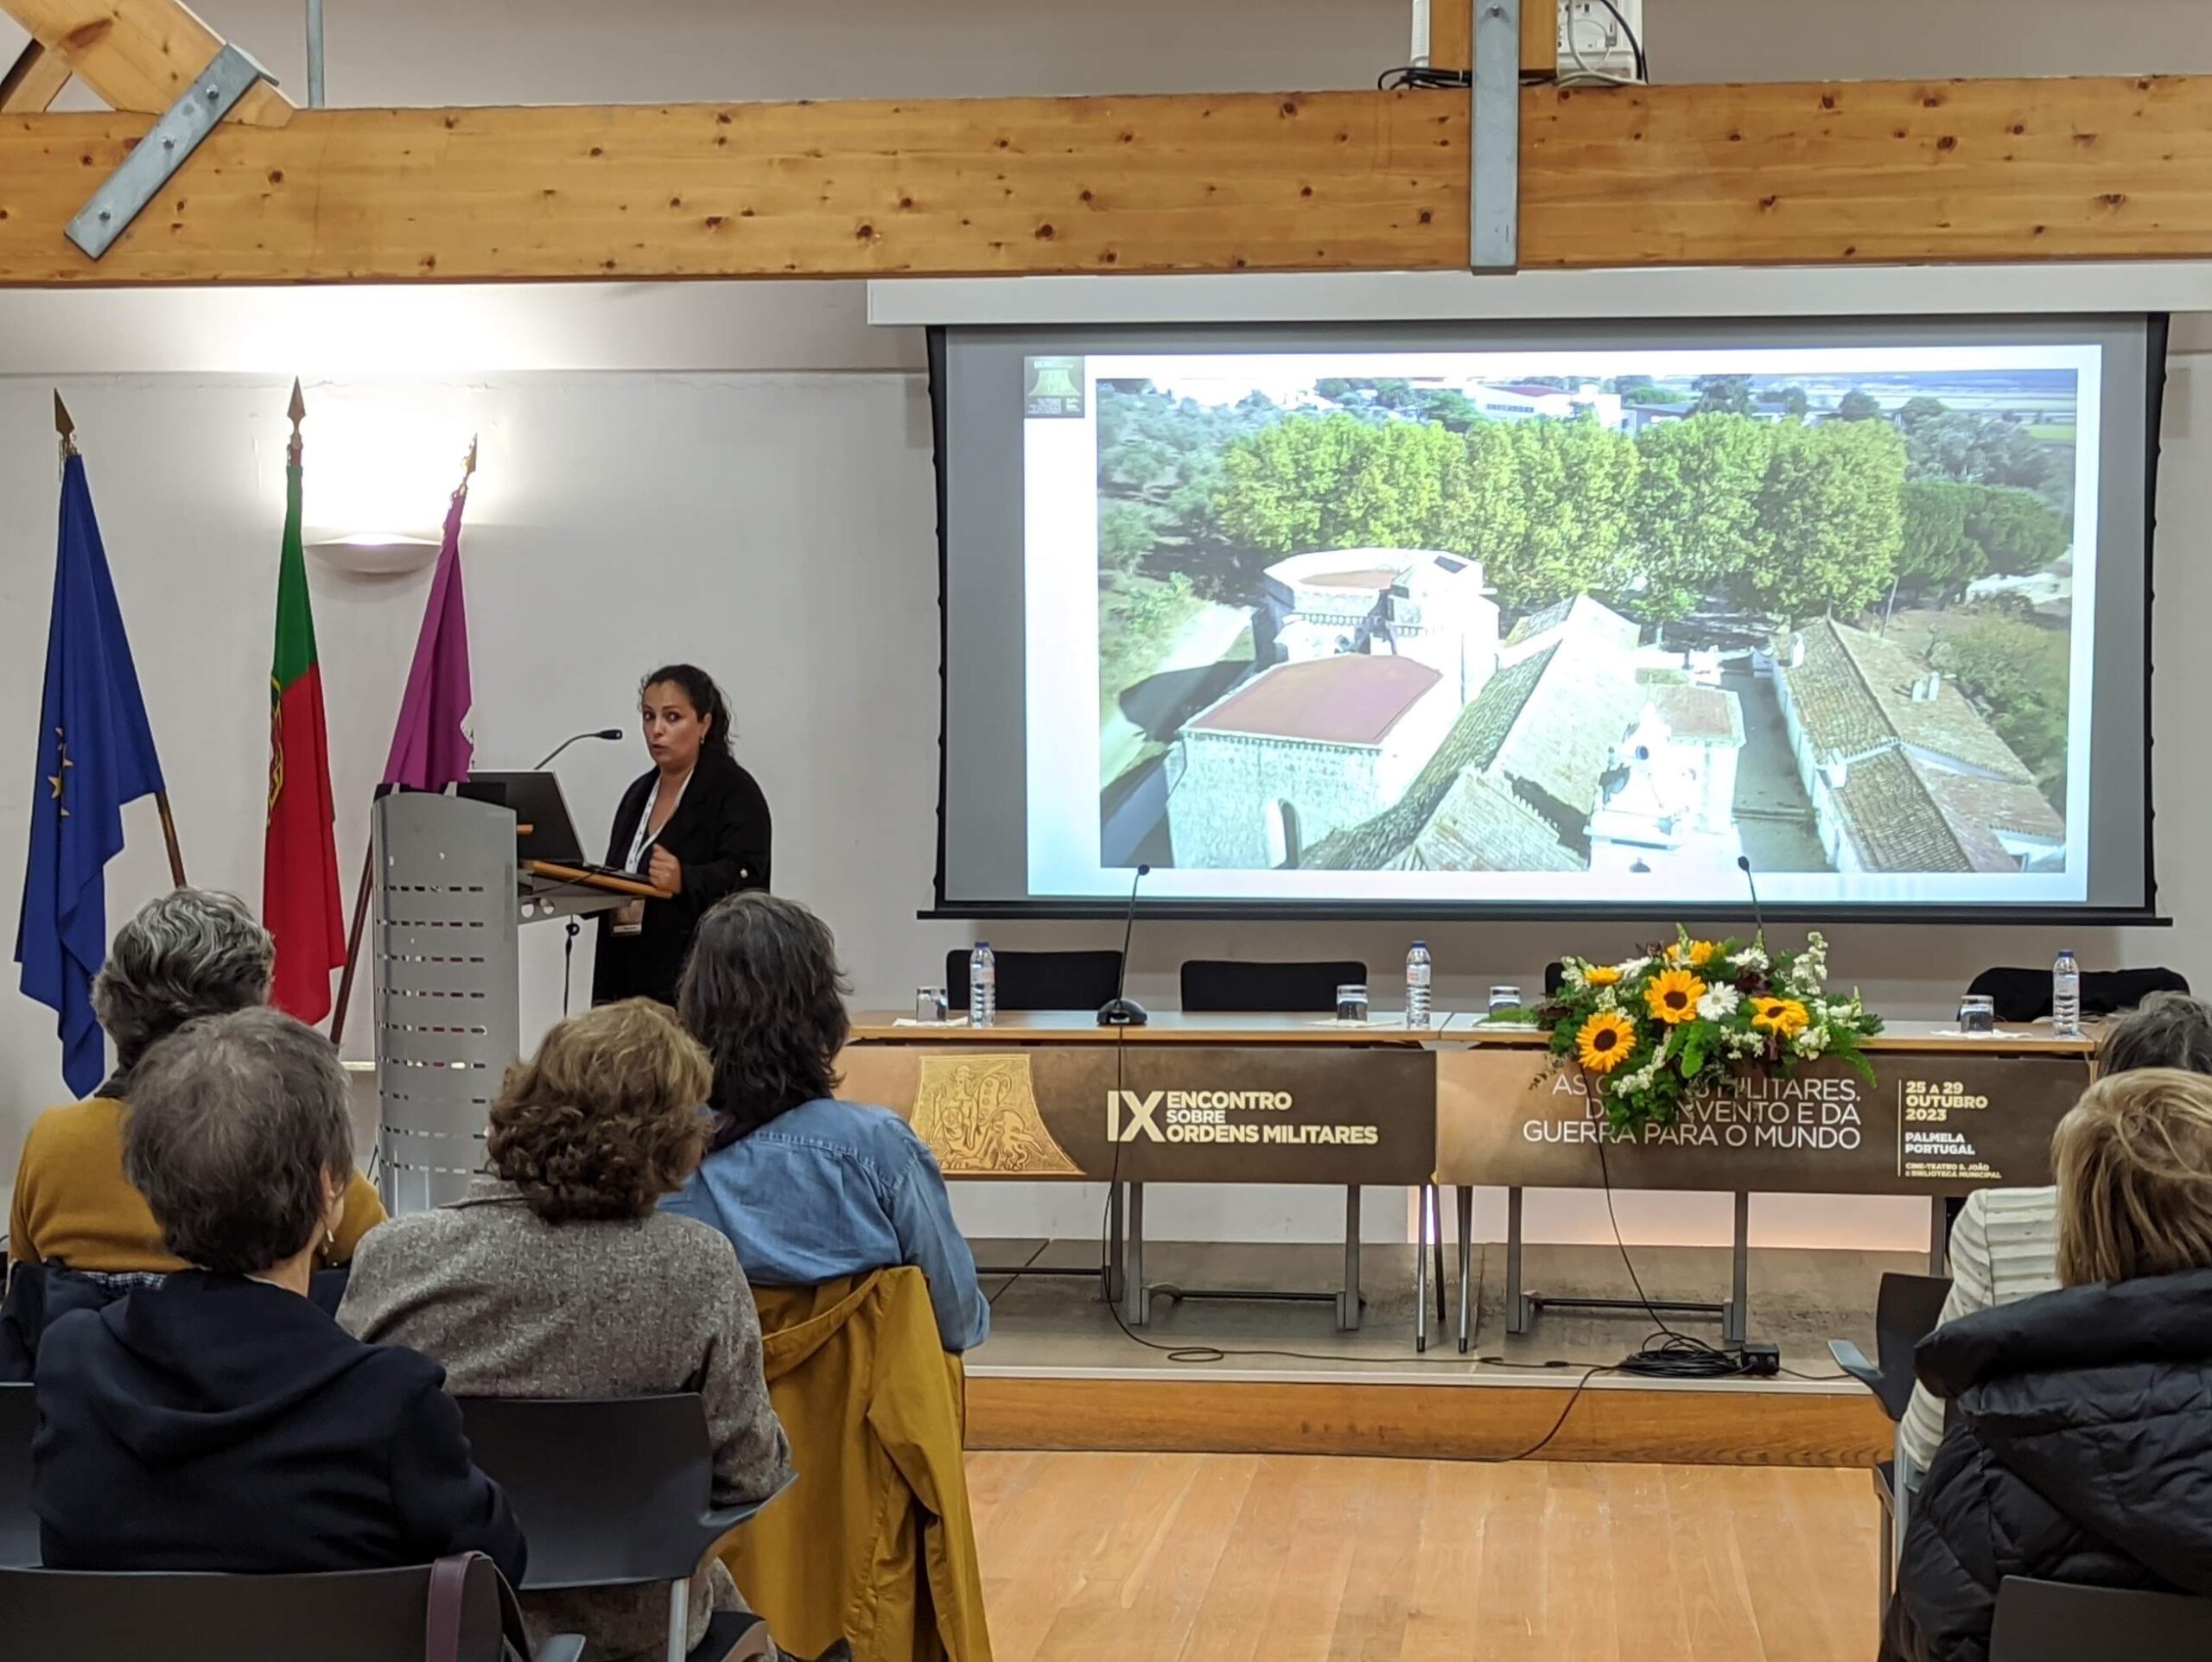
451, 898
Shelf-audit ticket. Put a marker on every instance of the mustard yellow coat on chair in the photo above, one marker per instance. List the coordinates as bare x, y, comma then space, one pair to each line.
874, 1542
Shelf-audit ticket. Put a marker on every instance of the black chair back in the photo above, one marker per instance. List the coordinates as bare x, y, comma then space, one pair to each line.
2019, 995
18, 1523
364, 1615
1554, 978
1223, 985
609, 1494
1906, 1311
2050, 1621
1040, 980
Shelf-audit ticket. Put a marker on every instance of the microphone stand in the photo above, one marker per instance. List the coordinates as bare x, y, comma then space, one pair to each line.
1119, 1011
1758, 919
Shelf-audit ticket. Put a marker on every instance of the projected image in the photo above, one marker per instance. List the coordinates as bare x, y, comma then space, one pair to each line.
1630, 616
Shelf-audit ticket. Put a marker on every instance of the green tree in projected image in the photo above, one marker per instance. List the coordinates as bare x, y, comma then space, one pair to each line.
1769, 502
2018, 673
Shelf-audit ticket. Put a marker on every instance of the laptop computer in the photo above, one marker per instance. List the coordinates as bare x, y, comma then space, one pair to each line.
537, 804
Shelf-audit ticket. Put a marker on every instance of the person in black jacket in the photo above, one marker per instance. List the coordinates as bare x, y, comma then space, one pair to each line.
697, 827
222, 1422
2081, 1443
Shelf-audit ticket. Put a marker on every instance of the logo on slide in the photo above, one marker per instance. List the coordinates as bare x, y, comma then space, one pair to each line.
1052, 389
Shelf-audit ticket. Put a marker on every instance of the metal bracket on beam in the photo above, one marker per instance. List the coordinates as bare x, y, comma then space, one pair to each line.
213, 94
1494, 117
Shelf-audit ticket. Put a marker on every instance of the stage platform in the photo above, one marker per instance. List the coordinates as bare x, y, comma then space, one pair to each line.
1217, 1376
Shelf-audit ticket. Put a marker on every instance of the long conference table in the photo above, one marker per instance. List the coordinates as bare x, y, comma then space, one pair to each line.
1051, 1096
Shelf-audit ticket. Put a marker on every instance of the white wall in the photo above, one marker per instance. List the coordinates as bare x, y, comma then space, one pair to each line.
770, 513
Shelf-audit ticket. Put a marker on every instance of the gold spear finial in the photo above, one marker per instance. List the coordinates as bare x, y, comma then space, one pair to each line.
298, 413
64, 425
467, 469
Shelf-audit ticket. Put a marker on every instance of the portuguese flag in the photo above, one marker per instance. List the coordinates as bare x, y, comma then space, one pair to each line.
300, 901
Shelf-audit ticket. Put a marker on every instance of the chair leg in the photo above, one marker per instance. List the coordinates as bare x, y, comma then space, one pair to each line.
679, 1619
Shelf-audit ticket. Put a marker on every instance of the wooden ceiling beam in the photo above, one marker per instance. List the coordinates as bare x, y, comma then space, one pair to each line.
138, 55
1869, 172
35, 80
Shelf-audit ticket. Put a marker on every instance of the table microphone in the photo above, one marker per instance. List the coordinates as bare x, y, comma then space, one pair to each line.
1743, 864
1119, 1011
603, 732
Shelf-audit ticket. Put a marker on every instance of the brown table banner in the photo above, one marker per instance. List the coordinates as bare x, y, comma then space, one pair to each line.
1207, 1114
1940, 1124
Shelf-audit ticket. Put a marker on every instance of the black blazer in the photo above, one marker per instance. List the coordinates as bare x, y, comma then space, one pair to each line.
219, 1424
720, 834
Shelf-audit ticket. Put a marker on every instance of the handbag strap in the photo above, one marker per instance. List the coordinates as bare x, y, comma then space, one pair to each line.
442, 1621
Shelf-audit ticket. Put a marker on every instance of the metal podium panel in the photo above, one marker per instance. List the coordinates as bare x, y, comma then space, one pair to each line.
448, 999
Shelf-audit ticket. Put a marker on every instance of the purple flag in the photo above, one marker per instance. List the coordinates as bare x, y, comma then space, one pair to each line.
431, 748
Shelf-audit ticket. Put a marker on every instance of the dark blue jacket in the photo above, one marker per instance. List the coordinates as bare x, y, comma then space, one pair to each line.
2081, 1450
219, 1424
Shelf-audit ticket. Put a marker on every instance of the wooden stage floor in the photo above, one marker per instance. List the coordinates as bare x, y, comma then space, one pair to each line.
1060, 1372
1287, 1559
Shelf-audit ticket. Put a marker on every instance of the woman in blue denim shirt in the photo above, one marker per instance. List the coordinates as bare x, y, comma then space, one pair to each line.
807, 1188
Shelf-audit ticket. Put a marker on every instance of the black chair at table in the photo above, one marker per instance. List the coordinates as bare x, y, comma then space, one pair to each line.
2054, 1621
1040, 980
615, 1492
2023, 995
1906, 1311
18, 1523
360, 1615
1224, 987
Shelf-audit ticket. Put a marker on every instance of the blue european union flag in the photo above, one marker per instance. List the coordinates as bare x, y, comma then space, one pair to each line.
95, 753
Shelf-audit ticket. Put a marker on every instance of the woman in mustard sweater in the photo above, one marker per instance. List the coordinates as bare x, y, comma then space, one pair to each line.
190, 953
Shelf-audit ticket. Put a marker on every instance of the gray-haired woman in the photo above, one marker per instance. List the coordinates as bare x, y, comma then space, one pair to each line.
220, 1421
190, 953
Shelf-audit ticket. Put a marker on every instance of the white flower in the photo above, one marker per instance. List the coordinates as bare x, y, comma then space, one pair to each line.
1752, 958
1811, 1042
1572, 973
1607, 998
1815, 942
1633, 967
1719, 1001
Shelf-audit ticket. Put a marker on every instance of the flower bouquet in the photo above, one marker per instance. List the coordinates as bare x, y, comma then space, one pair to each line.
1651, 1032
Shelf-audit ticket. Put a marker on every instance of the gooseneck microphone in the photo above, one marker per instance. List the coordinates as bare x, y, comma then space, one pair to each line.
603, 732
1743, 864
1119, 1012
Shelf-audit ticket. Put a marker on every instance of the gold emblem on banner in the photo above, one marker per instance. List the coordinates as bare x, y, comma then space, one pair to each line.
979, 1115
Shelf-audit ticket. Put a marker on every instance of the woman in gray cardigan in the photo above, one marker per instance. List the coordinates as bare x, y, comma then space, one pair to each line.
558, 1276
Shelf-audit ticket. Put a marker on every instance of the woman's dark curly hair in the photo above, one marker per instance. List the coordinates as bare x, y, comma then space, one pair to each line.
763, 992
605, 1119
706, 698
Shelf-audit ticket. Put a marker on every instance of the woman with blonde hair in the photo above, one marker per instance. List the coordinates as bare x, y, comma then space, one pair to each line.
558, 1276
2080, 1448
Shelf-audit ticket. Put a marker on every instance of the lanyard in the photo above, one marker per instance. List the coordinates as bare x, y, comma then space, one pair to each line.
645, 839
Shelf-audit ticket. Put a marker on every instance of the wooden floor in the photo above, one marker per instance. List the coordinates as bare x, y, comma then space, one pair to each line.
1165, 1557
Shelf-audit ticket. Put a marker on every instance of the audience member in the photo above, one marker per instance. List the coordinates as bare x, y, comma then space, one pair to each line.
189, 952
807, 1188
220, 1421
2081, 1445
2005, 1245
555, 1277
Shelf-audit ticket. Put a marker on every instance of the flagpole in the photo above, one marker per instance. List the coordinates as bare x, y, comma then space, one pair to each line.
369, 855
68, 428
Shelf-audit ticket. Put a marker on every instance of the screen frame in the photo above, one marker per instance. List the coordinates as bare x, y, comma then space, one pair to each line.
2156, 328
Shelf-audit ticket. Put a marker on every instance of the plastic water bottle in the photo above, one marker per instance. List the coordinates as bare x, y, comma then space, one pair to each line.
2066, 997
983, 987
1417, 977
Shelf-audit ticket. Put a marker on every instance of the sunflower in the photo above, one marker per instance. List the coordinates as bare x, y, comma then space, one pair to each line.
1696, 954
1602, 975
1672, 995
1784, 1016
1605, 1040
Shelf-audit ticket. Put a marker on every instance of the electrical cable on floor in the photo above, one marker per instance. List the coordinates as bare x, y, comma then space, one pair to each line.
1026, 1264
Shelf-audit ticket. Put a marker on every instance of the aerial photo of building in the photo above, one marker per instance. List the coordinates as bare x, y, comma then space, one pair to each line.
1389, 725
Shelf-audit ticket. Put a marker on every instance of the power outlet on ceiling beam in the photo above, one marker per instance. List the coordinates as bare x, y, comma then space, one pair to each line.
1593, 40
